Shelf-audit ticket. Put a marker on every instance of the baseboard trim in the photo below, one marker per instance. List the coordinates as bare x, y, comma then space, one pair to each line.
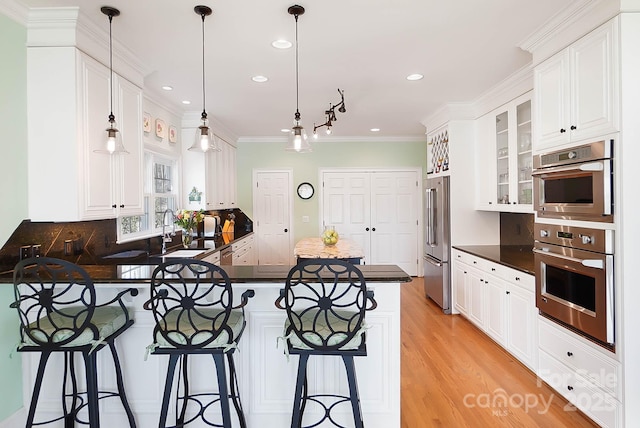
18, 419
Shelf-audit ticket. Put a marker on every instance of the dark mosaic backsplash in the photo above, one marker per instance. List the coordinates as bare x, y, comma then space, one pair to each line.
87, 242
516, 229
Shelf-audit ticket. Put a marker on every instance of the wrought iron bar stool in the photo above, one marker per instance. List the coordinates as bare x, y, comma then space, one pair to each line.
192, 303
56, 303
326, 301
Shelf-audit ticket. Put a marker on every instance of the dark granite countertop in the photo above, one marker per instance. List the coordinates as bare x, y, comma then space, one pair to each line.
513, 256
141, 273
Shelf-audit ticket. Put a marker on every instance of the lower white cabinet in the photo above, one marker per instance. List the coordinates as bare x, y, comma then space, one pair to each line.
588, 376
244, 251
498, 300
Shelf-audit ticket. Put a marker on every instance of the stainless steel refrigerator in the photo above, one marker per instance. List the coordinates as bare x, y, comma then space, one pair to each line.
437, 240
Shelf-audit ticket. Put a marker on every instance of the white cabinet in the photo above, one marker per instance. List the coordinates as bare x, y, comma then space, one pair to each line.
586, 375
244, 251
68, 105
503, 158
221, 171
213, 258
438, 152
576, 90
500, 301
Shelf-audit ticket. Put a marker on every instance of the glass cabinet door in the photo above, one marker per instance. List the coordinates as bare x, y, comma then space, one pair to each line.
502, 147
523, 116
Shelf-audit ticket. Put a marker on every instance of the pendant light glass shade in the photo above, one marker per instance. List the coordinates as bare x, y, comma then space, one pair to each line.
204, 140
113, 140
298, 141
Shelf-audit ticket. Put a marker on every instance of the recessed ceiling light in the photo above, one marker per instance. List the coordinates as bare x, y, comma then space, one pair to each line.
186, 102
281, 44
167, 88
415, 76
259, 79
285, 130
375, 130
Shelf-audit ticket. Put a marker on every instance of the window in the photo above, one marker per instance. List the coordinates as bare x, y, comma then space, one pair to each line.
160, 194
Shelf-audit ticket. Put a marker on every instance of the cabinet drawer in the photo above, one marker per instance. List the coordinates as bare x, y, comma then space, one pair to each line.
593, 401
512, 276
598, 368
470, 259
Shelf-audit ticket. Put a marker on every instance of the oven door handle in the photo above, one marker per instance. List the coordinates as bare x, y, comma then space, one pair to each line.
590, 166
592, 263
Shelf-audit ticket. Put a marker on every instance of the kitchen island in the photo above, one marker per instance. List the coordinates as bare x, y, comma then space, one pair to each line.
314, 248
266, 377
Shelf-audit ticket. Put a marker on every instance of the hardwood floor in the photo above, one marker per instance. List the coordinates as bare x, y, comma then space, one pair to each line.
453, 375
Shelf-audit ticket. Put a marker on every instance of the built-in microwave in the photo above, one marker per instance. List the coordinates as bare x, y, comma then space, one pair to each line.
575, 183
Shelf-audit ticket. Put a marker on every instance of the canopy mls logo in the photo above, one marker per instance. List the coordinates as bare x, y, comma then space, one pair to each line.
500, 402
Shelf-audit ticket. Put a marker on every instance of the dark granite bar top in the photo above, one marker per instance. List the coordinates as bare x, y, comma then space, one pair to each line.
141, 273
513, 256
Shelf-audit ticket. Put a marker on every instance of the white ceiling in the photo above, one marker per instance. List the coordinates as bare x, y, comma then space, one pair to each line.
364, 47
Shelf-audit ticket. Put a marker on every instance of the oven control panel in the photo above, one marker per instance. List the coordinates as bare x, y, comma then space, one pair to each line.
597, 240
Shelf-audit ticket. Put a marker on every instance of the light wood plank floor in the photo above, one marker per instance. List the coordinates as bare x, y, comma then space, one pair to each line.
455, 376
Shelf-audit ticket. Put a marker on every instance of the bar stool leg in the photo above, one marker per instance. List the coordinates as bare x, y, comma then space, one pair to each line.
92, 388
353, 390
70, 415
185, 400
235, 397
120, 384
222, 389
44, 357
299, 401
173, 359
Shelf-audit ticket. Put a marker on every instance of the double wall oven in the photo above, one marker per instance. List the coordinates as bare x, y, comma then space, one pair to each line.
574, 263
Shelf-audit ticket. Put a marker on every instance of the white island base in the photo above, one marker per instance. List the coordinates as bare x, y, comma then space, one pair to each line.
266, 378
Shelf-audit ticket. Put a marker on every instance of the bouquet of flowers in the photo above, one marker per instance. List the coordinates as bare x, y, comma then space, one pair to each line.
189, 219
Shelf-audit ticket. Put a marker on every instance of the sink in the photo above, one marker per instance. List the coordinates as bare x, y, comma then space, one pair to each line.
184, 254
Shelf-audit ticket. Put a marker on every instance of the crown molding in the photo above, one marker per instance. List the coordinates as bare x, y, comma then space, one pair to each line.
447, 113
70, 27
568, 25
15, 11
518, 83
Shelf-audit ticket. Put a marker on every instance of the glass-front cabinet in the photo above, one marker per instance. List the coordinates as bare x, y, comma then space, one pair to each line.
504, 147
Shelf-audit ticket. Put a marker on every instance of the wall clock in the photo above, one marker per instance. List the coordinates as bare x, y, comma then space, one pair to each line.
305, 190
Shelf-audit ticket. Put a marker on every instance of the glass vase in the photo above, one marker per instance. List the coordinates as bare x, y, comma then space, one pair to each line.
187, 237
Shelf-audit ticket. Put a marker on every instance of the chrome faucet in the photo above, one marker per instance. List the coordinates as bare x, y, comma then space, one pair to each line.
166, 236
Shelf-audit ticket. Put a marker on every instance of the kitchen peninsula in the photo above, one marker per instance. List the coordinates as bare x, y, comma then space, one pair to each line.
266, 377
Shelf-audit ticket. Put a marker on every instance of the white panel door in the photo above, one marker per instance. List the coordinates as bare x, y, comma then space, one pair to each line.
347, 206
394, 219
272, 212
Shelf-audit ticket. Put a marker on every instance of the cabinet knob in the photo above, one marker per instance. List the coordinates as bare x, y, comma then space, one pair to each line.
573, 127
367, 229
517, 278
286, 230
121, 205
373, 229
570, 388
562, 130
113, 206
493, 269
569, 354
508, 292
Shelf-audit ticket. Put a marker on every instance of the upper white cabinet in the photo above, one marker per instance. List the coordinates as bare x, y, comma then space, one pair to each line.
575, 91
503, 158
221, 170
68, 96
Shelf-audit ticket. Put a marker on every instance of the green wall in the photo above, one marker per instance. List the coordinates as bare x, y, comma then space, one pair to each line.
325, 155
13, 194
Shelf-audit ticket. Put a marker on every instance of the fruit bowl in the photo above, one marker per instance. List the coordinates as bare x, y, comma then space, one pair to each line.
330, 236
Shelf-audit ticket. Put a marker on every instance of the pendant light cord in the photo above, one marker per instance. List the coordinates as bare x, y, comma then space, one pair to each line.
111, 116
204, 112
297, 89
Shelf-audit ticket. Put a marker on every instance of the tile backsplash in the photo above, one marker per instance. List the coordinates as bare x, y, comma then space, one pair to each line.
516, 229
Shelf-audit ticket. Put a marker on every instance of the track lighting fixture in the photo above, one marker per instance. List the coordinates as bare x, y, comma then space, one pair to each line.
331, 116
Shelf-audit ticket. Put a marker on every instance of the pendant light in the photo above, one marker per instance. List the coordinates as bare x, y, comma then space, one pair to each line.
113, 143
204, 138
298, 137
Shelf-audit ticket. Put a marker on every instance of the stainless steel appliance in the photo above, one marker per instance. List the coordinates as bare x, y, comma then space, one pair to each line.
575, 183
437, 250
574, 279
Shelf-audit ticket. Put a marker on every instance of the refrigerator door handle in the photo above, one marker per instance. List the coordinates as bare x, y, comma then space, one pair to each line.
432, 261
428, 217
433, 220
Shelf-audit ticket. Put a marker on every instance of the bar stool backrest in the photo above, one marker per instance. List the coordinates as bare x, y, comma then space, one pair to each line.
55, 299
325, 301
192, 301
